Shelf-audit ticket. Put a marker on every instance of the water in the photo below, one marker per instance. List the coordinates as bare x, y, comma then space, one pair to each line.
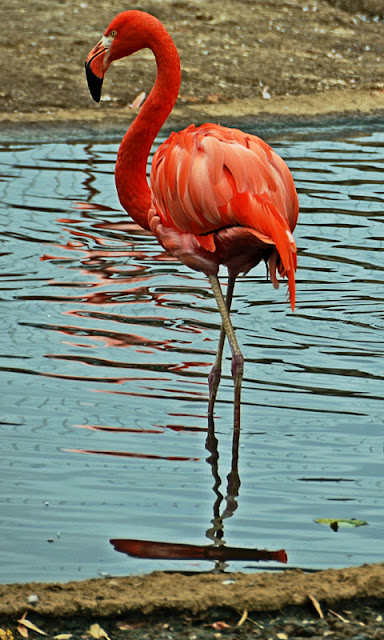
106, 345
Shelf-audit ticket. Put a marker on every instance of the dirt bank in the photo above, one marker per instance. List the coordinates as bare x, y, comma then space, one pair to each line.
292, 58
174, 606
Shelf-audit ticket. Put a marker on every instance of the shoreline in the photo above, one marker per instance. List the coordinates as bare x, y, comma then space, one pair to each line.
169, 593
313, 111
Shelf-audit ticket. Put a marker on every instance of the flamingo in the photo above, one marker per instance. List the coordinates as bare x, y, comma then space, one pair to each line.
217, 195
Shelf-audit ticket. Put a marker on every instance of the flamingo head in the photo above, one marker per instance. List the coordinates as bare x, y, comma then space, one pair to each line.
128, 32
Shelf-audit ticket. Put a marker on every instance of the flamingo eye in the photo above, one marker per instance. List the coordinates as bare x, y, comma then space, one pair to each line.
113, 33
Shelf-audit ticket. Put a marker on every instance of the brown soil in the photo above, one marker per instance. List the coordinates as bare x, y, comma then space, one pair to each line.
312, 58
174, 606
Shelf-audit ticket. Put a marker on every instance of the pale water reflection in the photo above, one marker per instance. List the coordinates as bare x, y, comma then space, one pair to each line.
106, 348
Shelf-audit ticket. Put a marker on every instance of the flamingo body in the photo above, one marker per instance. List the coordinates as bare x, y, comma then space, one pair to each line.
221, 196
217, 196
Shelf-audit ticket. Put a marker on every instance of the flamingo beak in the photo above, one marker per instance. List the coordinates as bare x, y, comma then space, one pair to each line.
96, 65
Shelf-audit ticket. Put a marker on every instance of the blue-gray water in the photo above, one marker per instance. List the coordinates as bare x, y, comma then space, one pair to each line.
105, 350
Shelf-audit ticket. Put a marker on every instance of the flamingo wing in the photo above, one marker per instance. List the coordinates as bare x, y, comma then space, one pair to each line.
207, 178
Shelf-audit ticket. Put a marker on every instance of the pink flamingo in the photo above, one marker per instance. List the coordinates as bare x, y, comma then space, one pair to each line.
216, 196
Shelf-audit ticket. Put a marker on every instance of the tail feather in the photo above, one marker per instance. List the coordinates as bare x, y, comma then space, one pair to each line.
286, 248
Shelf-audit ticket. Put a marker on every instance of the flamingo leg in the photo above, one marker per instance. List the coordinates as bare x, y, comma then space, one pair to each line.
237, 356
215, 374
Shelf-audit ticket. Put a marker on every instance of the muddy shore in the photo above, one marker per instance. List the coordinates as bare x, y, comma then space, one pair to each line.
287, 62
336, 603
249, 60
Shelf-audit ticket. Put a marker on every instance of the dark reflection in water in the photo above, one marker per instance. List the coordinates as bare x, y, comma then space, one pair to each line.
106, 347
218, 552
177, 551
130, 454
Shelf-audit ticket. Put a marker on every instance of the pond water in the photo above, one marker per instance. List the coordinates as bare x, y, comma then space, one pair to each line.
106, 345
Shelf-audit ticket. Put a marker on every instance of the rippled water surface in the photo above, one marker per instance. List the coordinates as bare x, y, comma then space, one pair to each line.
106, 345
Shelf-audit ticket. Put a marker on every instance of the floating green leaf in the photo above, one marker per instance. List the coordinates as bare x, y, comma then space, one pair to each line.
336, 523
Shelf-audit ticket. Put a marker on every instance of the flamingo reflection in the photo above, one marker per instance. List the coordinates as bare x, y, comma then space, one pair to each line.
218, 552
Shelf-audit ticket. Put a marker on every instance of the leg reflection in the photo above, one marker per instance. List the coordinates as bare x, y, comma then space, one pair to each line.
216, 532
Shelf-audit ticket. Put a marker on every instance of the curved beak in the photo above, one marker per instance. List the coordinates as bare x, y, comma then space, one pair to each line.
96, 65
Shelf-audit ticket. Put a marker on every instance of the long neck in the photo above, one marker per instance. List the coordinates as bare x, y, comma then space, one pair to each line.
131, 166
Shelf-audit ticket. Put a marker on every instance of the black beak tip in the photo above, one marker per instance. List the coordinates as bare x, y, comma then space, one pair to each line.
94, 83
